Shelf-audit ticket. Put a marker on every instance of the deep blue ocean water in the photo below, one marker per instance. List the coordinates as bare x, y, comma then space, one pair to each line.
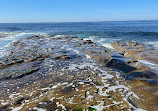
99, 32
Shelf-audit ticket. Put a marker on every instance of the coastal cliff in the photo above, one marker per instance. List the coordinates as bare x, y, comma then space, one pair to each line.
69, 73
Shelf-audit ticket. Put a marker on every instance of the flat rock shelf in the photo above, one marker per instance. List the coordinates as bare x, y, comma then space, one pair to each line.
48, 73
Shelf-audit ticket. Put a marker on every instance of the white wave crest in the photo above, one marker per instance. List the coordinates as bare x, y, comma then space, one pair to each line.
153, 43
107, 45
9, 37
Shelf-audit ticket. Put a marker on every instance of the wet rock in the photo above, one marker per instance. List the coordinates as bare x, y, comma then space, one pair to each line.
1, 65
5, 108
18, 61
48, 105
19, 100
141, 75
137, 51
67, 89
120, 65
24, 72
64, 57
88, 42
116, 62
6, 74
132, 52
18, 72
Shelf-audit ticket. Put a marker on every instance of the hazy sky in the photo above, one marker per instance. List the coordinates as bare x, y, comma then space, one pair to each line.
77, 10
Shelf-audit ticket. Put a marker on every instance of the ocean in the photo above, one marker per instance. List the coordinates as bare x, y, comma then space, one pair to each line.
99, 32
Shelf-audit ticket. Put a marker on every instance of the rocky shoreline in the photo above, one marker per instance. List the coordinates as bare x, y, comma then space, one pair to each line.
68, 73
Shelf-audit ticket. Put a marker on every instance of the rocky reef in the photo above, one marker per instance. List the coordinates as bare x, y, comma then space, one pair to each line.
137, 51
68, 73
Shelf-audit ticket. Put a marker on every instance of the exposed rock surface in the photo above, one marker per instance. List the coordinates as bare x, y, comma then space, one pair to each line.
137, 51
68, 73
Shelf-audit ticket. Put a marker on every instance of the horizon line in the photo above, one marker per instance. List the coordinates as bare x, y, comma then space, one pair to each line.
82, 21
